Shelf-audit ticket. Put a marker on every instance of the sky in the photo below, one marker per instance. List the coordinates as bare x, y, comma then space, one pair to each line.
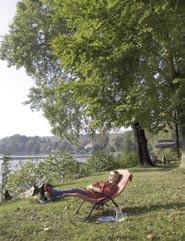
16, 118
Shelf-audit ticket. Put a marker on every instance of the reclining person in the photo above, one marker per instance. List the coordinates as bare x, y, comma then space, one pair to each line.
96, 190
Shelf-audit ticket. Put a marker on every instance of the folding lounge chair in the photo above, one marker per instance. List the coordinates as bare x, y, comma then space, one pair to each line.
126, 177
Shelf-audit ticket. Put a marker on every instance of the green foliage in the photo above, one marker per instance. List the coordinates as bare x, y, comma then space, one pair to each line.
28, 45
128, 159
129, 58
126, 57
58, 167
5, 171
55, 169
111, 63
22, 178
98, 162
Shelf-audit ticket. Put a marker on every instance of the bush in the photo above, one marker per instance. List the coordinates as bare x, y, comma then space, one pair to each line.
59, 167
5, 171
22, 178
128, 159
54, 170
98, 162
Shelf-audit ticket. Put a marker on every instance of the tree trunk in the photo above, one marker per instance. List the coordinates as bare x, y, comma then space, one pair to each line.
143, 153
182, 133
177, 141
139, 146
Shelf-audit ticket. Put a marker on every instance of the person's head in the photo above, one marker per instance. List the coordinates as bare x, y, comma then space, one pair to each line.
114, 177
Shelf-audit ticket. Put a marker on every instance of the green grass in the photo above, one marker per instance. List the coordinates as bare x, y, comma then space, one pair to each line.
154, 202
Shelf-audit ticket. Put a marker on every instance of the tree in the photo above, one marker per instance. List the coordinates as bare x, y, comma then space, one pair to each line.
130, 59
100, 63
124, 61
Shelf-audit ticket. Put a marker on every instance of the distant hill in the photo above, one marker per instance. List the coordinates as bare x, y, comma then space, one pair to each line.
23, 145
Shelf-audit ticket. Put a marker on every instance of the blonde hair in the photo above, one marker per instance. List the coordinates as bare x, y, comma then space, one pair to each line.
116, 174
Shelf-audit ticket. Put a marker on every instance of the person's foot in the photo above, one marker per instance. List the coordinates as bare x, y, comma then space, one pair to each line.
48, 196
49, 191
44, 201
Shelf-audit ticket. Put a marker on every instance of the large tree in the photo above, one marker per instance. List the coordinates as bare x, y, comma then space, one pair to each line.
124, 59
129, 56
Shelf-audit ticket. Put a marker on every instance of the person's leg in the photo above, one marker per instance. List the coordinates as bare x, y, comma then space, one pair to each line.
60, 193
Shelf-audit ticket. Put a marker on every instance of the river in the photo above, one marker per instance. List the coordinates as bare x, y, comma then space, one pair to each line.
16, 160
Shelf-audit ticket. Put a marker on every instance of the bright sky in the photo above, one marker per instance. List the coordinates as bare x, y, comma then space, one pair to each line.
15, 117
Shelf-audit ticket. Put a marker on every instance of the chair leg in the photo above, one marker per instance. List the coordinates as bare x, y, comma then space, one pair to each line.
90, 212
114, 203
77, 211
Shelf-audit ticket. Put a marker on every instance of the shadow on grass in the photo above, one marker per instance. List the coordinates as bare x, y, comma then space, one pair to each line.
146, 209
137, 211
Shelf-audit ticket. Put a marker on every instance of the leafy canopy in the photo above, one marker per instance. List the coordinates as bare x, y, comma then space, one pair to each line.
116, 62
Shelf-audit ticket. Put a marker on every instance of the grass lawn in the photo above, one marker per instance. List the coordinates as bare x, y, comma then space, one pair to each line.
154, 202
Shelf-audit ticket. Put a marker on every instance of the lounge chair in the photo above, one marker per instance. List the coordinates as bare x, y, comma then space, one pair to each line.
126, 177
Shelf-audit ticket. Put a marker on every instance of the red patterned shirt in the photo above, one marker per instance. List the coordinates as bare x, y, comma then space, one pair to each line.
107, 188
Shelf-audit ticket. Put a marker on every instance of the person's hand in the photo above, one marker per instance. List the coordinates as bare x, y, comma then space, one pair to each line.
90, 186
96, 189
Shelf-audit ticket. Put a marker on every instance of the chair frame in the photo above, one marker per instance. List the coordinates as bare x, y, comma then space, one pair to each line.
100, 202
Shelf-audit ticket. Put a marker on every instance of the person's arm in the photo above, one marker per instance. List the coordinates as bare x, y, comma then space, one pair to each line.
97, 187
110, 189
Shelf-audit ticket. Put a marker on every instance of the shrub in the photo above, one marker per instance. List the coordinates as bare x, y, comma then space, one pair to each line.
128, 159
22, 178
5, 171
99, 161
56, 168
